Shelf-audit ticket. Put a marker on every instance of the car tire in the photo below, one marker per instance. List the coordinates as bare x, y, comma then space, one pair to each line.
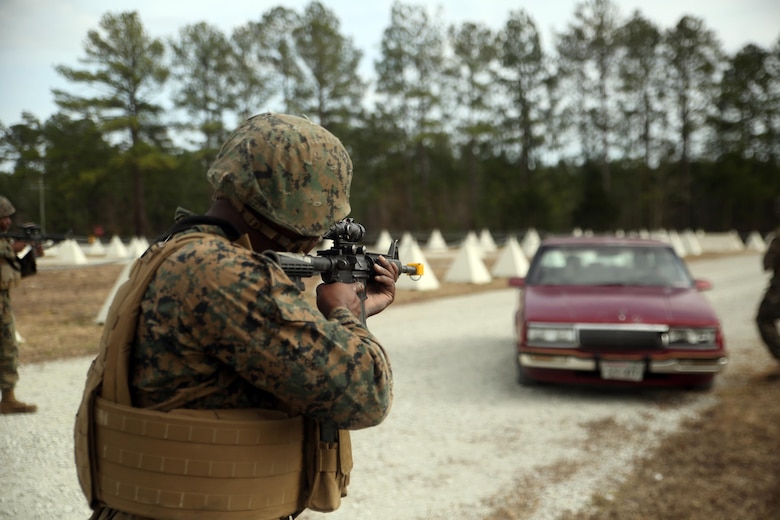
704, 386
523, 379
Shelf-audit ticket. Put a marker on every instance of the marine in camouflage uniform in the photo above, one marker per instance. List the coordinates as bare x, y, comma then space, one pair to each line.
9, 349
221, 315
769, 308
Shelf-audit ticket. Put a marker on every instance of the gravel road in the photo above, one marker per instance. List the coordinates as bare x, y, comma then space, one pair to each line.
461, 435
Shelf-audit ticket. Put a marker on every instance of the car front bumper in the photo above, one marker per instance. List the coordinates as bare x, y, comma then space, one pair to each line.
678, 365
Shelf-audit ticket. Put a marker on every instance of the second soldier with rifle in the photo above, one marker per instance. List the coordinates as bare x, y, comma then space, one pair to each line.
12, 270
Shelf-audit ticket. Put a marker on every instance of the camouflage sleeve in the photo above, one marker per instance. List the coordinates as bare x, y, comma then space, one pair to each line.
6, 249
241, 310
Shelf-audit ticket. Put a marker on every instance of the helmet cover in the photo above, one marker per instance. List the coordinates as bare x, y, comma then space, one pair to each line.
6, 208
287, 169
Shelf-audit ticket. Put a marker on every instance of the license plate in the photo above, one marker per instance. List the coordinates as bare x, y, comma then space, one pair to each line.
622, 370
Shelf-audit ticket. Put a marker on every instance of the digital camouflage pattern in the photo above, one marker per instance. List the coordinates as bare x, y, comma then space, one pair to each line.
6, 208
286, 168
9, 349
221, 315
769, 308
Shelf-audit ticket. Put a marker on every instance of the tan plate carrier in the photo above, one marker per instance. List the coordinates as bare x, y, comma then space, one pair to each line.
193, 464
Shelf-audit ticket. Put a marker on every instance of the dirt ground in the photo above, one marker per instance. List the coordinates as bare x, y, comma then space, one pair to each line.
723, 465
56, 309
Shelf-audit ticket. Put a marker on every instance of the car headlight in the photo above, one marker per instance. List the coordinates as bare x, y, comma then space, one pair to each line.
691, 337
551, 336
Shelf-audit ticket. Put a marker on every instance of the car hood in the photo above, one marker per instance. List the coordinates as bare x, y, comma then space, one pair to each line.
617, 305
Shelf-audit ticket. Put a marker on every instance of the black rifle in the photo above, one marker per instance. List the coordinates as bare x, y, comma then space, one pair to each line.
31, 233
345, 262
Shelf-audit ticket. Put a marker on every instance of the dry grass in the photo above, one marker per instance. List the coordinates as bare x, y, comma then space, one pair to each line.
56, 309
723, 465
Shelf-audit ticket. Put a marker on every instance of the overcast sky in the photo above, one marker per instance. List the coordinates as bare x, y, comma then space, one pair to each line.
36, 35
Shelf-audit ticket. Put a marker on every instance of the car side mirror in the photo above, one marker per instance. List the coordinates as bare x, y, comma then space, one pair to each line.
517, 281
702, 285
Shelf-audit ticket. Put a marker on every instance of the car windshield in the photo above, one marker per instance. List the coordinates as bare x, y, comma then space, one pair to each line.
608, 265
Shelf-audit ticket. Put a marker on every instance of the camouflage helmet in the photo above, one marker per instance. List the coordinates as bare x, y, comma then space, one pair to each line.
287, 169
6, 208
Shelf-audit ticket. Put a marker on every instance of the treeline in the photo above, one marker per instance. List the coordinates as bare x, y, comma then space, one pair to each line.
622, 124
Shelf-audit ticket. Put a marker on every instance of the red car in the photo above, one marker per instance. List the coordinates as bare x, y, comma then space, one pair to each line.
615, 311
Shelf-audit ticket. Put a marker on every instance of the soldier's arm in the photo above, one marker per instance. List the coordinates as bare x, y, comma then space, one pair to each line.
331, 369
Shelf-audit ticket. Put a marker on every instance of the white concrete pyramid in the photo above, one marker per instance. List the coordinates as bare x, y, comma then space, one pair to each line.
486, 241
473, 240
677, 244
662, 235
436, 242
468, 267
137, 247
755, 242
511, 260
691, 242
383, 241
96, 248
408, 240
736, 242
122, 278
531, 243
52, 251
410, 253
116, 249
69, 252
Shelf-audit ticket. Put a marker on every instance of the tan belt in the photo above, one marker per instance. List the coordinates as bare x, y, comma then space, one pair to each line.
193, 465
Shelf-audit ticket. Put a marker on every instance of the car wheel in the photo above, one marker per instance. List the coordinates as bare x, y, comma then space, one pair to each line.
523, 379
704, 386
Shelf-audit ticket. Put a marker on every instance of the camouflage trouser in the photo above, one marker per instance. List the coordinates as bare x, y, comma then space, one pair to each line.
9, 350
767, 318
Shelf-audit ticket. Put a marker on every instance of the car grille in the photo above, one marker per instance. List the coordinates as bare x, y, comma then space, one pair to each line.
617, 339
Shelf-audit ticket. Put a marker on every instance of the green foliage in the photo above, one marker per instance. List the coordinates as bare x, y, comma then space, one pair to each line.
747, 105
124, 64
331, 63
77, 174
203, 65
595, 210
640, 90
523, 76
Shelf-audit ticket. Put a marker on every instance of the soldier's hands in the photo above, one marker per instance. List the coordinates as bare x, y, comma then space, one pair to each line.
380, 292
332, 295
